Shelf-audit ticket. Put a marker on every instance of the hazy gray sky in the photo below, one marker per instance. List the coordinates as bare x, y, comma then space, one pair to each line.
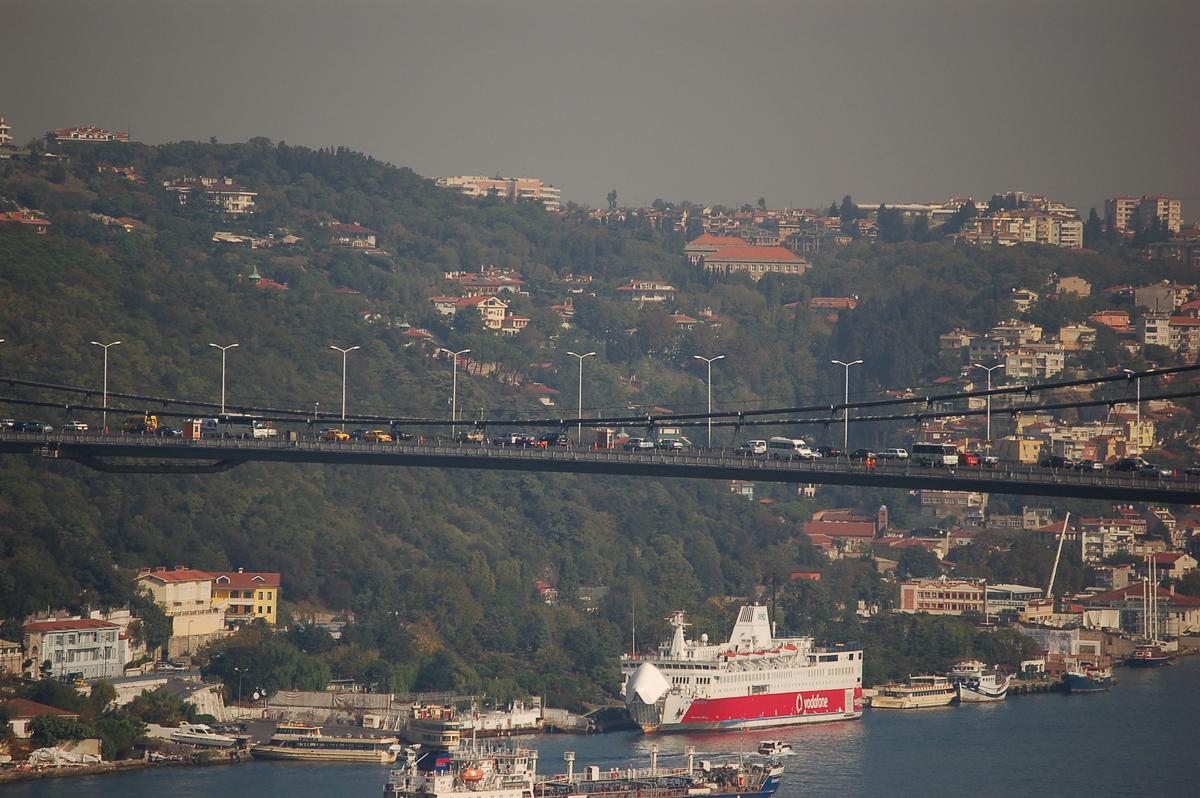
798, 102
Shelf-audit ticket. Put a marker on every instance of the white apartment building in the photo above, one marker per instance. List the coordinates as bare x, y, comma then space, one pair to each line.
91, 648
1015, 332
1035, 361
513, 188
5, 133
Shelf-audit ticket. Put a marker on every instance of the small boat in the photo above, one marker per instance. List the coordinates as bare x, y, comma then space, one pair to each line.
201, 735
916, 693
296, 741
1088, 678
774, 748
975, 682
1149, 655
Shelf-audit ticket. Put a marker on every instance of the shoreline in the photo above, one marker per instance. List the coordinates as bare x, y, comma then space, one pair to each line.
122, 766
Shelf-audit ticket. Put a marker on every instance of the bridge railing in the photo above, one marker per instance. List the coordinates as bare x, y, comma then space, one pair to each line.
226, 448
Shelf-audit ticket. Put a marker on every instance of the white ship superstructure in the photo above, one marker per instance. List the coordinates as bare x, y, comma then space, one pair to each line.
755, 680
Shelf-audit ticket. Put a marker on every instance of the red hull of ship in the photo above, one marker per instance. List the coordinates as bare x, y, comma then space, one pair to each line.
776, 709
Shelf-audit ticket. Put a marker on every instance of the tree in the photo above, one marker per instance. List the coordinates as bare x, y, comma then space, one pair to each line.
918, 562
1093, 229
848, 212
762, 203
49, 730
612, 200
153, 627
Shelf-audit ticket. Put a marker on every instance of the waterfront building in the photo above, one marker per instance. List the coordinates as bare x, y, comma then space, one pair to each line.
87, 647
245, 596
943, 596
642, 291
6, 138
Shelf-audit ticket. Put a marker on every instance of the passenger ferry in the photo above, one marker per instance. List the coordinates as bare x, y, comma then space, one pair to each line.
297, 741
918, 692
510, 771
754, 680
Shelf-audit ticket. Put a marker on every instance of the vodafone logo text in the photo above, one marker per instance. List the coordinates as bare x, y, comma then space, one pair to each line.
813, 703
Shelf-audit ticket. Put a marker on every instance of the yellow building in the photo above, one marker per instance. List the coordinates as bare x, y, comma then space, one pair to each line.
245, 596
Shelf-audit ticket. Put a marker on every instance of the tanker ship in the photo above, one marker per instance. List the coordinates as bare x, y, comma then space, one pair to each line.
755, 680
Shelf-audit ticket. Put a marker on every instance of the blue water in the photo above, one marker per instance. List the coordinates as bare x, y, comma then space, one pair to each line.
1135, 740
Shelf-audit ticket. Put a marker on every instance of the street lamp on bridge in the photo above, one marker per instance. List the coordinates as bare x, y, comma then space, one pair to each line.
344, 352
989, 370
454, 388
579, 413
1133, 375
708, 361
104, 401
846, 401
223, 349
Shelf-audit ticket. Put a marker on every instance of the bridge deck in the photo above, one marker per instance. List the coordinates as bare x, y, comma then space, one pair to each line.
145, 454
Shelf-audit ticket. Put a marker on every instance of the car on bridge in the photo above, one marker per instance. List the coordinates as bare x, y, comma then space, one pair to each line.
753, 448
669, 445
553, 439
377, 436
1056, 461
639, 445
40, 427
1155, 471
75, 426
334, 435
1129, 464
1089, 465
403, 435
893, 454
521, 440
169, 432
863, 454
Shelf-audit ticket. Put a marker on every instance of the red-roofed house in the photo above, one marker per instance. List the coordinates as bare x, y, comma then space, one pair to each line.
27, 220
22, 711
683, 321
87, 647
754, 261
1116, 319
1174, 564
185, 595
244, 595
707, 244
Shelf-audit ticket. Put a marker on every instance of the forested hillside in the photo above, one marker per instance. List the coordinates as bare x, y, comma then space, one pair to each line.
438, 567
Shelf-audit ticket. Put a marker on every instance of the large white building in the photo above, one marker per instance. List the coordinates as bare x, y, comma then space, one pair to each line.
5, 133
513, 188
90, 648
